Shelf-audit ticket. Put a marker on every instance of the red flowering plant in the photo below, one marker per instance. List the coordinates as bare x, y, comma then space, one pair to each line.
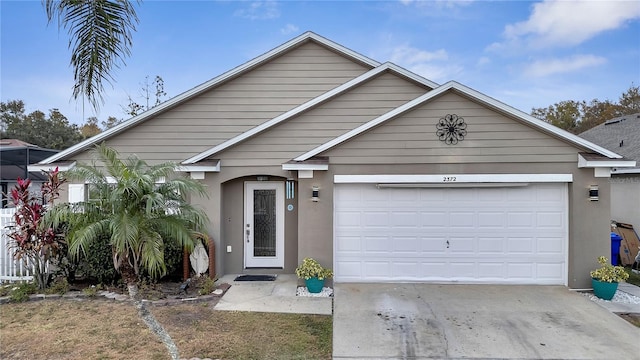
31, 240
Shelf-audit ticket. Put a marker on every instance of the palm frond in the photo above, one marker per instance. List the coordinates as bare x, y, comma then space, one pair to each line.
152, 254
100, 34
80, 238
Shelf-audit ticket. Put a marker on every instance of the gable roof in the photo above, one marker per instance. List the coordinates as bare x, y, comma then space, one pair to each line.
309, 105
375, 68
475, 95
622, 134
235, 72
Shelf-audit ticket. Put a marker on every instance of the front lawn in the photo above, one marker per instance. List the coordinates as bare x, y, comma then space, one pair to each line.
634, 278
103, 329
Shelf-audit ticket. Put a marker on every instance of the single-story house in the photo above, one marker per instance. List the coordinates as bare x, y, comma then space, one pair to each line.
314, 150
622, 135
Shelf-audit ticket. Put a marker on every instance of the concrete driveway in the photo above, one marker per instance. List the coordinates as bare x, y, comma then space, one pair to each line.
414, 321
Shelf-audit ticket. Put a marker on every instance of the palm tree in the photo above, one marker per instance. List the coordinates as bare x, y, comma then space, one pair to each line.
138, 207
100, 37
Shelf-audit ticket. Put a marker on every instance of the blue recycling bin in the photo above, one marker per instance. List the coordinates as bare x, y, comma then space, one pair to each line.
615, 248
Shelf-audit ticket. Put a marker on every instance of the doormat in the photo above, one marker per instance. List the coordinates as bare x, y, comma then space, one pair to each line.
255, 278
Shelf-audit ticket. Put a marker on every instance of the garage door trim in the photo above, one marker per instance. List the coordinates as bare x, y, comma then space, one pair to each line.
453, 178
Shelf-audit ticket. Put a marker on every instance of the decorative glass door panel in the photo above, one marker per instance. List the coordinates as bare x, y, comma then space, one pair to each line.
264, 224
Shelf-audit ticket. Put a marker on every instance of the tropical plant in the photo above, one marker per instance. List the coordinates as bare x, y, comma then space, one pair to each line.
608, 272
100, 34
136, 207
31, 239
311, 268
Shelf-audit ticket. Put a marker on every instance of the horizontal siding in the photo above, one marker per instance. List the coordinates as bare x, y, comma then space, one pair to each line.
491, 137
232, 108
323, 123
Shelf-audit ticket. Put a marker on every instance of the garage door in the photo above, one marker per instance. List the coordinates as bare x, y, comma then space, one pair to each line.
511, 234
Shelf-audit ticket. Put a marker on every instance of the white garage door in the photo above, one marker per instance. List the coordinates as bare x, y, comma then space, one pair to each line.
514, 234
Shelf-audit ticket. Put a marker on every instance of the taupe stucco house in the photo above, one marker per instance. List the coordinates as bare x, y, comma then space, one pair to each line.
312, 149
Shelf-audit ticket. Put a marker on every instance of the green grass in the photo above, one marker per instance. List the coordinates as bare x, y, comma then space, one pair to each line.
633, 277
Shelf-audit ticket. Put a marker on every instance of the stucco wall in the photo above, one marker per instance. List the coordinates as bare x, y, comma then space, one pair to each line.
625, 196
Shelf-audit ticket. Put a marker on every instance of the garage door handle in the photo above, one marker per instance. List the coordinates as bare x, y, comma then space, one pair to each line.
447, 244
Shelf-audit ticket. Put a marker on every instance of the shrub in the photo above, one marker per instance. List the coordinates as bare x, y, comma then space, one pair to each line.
311, 268
59, 286
92, 291
207, 286
608, 272
21, 292
98, 262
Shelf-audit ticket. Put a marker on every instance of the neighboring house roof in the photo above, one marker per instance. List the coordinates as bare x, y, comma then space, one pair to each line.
15, 142
15, 157
621, 134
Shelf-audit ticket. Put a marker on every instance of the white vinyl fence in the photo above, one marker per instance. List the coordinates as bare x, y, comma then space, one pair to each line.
10, 269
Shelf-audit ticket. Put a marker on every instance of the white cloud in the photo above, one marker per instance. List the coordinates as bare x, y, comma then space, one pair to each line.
433, 65
409, 55
483, 60
288, 29
567, 23
557, 66
260, 10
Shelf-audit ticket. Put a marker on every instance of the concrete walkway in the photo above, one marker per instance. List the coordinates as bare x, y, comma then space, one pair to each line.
621, 307
277, 296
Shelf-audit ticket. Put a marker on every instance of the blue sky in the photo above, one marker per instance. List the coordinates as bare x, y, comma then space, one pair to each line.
526, 54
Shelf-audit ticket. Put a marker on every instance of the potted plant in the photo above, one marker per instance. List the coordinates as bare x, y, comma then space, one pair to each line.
313, 274
605, 279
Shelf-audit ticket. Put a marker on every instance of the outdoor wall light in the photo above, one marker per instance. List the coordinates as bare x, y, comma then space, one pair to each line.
593, 193
314, 193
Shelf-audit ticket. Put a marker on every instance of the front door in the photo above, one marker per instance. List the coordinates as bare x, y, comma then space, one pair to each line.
264, 224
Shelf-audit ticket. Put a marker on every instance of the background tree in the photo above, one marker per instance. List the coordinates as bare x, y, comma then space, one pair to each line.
564, 114
133, 108
630, 100
90, 128
111, 122
51, 131
580, 116
100, 37
144, 209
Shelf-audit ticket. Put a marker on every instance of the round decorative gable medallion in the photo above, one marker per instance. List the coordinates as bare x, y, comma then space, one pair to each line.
451, 129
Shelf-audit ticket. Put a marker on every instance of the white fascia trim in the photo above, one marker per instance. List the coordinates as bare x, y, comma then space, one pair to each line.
473, 94
333, 45
584, 163
453, 178
197, 168
206, 86
320, 167
408, 74
534, 121
289, 114
50, 167
625, 171
373, 123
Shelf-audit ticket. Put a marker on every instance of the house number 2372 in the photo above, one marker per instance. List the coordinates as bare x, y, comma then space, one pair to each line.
448, 178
